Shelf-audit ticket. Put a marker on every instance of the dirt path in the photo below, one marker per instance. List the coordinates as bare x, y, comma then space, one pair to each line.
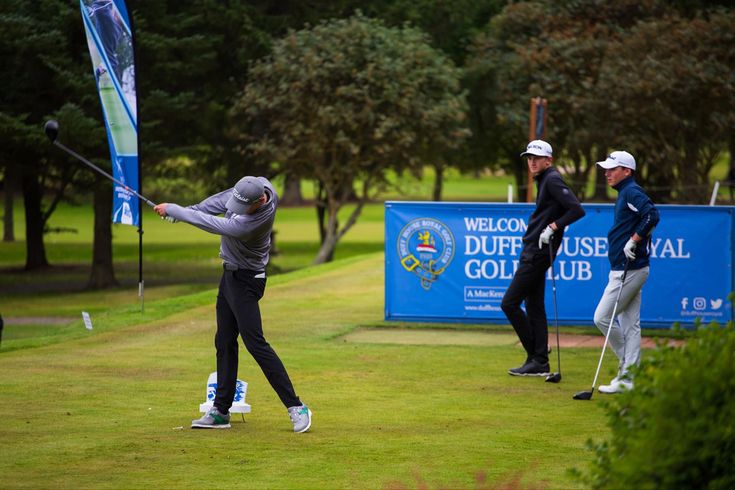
38, 320
572, 340
466, 337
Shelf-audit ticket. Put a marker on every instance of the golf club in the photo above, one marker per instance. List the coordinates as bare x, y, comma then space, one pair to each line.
51, 128
587, 395
555, 377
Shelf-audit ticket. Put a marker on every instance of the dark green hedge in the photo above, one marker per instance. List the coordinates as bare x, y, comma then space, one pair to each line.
676, 429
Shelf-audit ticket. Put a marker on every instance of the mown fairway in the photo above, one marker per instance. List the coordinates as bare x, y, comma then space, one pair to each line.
111, 409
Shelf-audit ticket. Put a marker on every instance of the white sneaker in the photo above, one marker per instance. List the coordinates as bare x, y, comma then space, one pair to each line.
626, 385
616, 386
300, 417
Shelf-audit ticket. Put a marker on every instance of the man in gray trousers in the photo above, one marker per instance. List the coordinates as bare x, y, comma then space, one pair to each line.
248, 210
635, 218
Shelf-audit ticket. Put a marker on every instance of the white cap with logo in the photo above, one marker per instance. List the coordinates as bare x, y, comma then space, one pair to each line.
540, 148
618, 159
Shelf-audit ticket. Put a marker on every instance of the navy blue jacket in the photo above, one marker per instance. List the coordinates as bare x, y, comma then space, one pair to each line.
555, 203
634, 213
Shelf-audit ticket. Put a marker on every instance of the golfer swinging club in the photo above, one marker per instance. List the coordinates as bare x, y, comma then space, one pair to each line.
635, 218
249, 211
556, 208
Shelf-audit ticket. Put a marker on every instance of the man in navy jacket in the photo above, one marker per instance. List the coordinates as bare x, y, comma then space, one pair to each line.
556, 208
635, 218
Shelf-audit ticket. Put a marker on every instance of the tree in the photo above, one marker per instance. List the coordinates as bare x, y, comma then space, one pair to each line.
556, 50
500, 85
451, 27
347, 101
676, 105
193, 57
585, 58
41, 45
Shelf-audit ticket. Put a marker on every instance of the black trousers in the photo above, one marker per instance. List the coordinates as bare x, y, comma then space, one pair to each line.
238, 314
528, 286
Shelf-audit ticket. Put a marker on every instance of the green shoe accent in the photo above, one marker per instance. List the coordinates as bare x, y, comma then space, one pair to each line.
213, 419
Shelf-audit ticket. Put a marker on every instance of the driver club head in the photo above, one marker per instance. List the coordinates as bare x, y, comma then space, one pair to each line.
583, 395
553, 378
51, 128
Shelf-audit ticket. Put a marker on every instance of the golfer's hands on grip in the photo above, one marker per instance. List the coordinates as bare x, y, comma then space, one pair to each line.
629, 249
545, 236
160, 209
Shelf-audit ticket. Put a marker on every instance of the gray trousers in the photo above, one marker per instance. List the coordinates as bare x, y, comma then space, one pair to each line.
625, 336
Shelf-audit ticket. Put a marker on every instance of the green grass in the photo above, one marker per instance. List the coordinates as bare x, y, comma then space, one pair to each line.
105, 409
174, 254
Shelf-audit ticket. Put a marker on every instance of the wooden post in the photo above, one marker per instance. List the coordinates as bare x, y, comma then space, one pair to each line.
536, 131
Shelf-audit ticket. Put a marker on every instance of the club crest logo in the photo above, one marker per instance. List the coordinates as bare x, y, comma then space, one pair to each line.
426, 247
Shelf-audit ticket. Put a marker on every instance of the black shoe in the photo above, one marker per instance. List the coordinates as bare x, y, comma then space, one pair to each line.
531, 368
515, 371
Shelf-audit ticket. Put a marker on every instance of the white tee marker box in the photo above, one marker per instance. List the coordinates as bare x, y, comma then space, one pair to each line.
87, 320
238, 404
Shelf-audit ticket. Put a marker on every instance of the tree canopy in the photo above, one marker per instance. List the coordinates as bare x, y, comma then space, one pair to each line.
346, 101
651, 76
618, 75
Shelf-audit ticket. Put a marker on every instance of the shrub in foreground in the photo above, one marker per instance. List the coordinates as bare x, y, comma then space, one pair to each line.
676, 429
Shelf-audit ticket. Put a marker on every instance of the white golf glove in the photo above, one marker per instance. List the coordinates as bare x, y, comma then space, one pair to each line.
545, 236
629, 249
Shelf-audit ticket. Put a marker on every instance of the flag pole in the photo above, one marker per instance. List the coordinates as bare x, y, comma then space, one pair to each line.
141, 282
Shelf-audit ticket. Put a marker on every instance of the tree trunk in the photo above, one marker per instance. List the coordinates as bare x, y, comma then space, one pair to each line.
291, 192
8, 232
321, 205
35, 249
329, 243
322, 213
688, 170
438, 182
731, 173
103, 274
600, 193
519, 170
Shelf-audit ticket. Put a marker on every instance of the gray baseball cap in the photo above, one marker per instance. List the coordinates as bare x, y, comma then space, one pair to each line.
244, 194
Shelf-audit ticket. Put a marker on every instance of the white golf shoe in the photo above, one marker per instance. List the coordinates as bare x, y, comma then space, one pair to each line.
616, 386
300, 418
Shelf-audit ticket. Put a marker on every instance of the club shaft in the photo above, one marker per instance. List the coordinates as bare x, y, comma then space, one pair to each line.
99, 170
556, 311
610, 325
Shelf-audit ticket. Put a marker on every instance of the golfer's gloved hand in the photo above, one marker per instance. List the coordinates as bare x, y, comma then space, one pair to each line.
545, 236
629, 249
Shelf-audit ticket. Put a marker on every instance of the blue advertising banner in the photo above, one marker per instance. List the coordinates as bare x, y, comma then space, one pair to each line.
452, 262
110, 42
